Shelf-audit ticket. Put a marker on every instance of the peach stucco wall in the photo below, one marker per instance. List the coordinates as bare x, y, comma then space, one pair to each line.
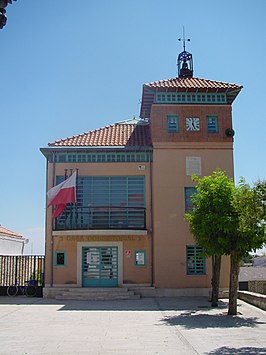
69, 243
170, 230
167, 230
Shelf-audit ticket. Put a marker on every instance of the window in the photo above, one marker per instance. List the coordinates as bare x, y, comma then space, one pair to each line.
212, 124
196, 263
106, 202
140, 258
189, 191
60, 258
172, 123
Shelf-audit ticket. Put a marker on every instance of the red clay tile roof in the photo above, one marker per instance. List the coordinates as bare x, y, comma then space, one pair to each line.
192, 83
116, 135
184, 85
9, 233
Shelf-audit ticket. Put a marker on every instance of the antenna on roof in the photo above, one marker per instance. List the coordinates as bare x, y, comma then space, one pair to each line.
184, 60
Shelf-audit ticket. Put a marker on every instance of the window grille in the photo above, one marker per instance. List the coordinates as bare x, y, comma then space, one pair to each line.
196, 262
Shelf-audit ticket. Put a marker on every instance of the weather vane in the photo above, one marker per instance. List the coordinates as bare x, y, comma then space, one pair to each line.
184, 60
184, 39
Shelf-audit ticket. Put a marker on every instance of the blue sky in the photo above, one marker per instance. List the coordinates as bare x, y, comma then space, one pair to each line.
70, 67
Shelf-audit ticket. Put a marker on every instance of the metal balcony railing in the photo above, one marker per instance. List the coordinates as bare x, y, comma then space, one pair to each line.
101, 217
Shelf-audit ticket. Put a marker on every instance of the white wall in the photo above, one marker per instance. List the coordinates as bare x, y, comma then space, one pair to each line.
11, 246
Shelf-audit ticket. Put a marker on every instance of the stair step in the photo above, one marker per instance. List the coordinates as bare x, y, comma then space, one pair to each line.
97, 289
96, 294
87, 297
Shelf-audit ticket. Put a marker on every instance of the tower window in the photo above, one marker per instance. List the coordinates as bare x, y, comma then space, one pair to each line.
172, 123
189, 191
212, 124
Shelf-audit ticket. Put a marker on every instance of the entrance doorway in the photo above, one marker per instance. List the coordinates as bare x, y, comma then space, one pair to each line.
100, 266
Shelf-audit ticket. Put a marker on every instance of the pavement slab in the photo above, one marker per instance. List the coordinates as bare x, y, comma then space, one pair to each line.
181, 325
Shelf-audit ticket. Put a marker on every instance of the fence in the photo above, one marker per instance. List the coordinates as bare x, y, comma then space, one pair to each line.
19, 269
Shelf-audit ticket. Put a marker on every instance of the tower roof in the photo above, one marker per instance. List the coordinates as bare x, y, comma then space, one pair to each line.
188, 84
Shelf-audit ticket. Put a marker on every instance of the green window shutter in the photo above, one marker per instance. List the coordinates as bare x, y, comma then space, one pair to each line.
212, 124
196, 262
189, 191
172, 123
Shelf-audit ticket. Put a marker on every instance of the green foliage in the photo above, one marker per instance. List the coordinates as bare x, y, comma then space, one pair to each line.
211, 220
246, 259
228, 220
248, 203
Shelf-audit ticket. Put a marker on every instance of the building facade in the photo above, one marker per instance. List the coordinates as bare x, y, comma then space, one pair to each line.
134, 186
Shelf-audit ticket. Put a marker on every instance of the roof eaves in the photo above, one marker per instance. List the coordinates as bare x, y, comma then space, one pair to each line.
55, 149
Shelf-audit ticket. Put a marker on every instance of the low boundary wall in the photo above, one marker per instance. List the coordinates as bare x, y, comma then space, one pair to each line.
256, 299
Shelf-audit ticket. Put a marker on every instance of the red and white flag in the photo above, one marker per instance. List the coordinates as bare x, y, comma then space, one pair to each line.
62, 194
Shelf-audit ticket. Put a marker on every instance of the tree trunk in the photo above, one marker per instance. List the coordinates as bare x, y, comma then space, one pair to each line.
216, 268
233, 287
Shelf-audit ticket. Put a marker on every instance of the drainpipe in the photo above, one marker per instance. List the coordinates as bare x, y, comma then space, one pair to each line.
151, 220
52, 238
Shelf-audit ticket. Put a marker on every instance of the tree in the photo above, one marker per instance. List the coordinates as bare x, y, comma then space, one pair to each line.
228, 220
210, 220
249, 205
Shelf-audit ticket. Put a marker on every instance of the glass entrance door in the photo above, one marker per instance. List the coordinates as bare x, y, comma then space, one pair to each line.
100, 266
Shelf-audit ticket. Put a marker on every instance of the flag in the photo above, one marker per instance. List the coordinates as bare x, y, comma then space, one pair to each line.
62, 194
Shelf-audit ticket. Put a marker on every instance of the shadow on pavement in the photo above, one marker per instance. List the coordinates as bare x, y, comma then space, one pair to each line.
177, 304
192, 320
239, 351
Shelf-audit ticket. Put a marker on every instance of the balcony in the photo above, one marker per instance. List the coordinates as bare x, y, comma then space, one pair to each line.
101, 217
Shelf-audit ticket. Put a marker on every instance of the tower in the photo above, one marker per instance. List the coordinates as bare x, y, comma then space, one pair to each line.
191, 131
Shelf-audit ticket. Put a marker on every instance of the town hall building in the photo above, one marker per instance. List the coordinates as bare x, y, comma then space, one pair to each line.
127, 227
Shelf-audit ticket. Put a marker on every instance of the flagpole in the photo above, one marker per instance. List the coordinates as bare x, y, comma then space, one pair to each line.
71, 210
76, 203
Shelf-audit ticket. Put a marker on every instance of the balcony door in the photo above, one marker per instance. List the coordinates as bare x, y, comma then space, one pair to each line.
100, 266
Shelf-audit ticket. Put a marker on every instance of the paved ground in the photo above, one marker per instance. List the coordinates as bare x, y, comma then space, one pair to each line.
146, 326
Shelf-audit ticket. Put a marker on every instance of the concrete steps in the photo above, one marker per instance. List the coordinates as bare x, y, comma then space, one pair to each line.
95, 294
